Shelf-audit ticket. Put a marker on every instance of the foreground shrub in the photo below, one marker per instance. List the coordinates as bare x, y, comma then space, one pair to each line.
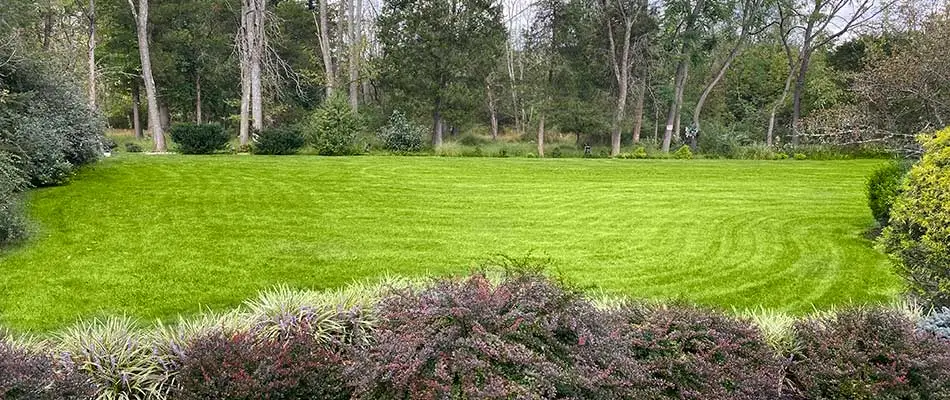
333, 128
400, 135
242, 366
882, 188
474, 339
199, 138
869, 354
919, 231
278, 141
692, 353
28, 375
116, 357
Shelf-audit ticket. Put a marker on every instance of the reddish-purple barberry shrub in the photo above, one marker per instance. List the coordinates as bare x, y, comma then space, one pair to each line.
28, 375
473, 339
694, 353
865, 353
244, 366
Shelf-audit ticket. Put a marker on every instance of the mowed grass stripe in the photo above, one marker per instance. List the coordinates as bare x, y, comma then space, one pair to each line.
154, 236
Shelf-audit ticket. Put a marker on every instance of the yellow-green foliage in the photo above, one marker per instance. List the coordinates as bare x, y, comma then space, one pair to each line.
684, 153
919, 234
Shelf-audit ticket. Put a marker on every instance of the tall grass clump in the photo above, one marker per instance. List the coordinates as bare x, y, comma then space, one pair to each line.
116, 356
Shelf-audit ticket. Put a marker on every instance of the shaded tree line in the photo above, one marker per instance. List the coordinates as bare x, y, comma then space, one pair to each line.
702, 73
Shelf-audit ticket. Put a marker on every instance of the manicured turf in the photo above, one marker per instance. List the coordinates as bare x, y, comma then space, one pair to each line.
153, 236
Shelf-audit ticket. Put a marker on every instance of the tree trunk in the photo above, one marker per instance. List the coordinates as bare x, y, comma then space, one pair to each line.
47, 28
356, 8
136, 104
619, 115
798, 93
437, 124
198, 99
325, 50
92, 54
679, 83
164, 116
698, 110
256, 58
151, 95
541, 137
775, 106
621, 68
492, 109
245, 63
638, 112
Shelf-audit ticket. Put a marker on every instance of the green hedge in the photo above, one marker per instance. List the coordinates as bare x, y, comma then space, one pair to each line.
199, 138
919, 232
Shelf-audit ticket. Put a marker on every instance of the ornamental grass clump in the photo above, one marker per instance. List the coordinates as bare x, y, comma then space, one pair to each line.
868, 353
116, 357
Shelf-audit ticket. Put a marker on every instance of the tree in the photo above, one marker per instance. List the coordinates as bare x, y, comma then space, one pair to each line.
453, 44
827, 21
323, 31
750, 23
251, 42
686, 38
355, 35
627, 25
151, 96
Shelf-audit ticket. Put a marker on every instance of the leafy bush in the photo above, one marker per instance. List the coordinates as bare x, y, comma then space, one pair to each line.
199, 138
556, 153
640, 152
45, 122
28, 375
800, 156
882, 188
242, 366
334, 127
473, 140
133, 147
683, 153
938, 323
919, 231
474, 339
868, 354
692, 353
400, 135
12, 181
278, 141
755, 152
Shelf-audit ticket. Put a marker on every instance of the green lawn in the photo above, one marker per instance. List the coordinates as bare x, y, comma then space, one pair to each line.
154, 236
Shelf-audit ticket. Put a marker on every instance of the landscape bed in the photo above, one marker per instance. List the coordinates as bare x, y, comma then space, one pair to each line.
157, 236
